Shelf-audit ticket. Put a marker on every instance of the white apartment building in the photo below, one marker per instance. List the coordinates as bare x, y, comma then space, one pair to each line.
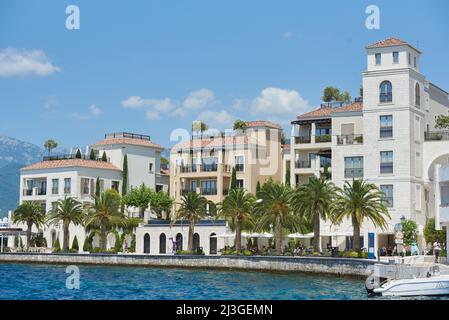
55, 177
389, 139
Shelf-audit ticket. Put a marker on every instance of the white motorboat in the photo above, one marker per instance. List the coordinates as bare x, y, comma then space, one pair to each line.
406, 280
430, 286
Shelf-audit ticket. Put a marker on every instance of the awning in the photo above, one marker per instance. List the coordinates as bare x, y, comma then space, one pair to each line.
301, 236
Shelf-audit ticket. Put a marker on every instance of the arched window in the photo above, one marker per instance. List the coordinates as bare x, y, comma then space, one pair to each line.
196, 242
385, 91
146, 243
178, 242
213, 243
162, 243
417, 95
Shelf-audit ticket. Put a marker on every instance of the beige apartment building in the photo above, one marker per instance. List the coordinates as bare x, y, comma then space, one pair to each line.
204, 164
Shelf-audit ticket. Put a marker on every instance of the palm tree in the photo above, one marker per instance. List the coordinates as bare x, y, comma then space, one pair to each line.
193, 208
31, 213
238, 208
312, 201
50, 145
105, 213
358, 201
274, 210
67, 210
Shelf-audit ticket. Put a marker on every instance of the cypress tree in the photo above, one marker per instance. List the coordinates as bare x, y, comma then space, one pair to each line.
78, 154
104, 157
92, 154
87, 247
287, 177
258, 187
97, 187
57, 246
125, 175
75, 244
234, 179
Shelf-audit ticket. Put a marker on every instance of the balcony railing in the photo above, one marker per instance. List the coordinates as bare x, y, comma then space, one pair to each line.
323, 138
303, 139
239, 167
209, 192
353, 172
350, 139
436, 135
386, 167
69, 157
27, 192
185, 191
299, 164
209, 167
187, 169
386, 97
386, 132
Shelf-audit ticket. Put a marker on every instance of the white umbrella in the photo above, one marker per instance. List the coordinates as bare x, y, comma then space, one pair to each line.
224, 235
300, 235
257, 235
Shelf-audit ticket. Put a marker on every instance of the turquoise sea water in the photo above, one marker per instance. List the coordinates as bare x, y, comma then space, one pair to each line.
43, 282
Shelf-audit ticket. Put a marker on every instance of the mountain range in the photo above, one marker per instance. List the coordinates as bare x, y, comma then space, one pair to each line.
14, 154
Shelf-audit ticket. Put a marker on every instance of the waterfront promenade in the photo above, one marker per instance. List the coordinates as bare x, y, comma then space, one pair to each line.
323, 265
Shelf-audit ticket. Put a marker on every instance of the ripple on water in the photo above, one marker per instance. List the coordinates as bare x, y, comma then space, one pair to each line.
30, 281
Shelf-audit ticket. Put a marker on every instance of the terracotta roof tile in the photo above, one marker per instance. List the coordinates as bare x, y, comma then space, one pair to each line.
326, 112
216, 142
262, 123
136, 142
389, 42
71, 163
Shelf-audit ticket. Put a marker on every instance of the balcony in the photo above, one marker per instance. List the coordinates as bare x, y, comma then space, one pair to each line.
187, 169
186, 191
303, 139
436, 135
27, 192
350, 139
353, 173
302, 164
323, 138
209, 167
386, 97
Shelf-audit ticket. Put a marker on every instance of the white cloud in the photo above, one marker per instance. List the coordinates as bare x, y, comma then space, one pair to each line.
51, 103
279, 105
287, 34
152, 115
199, 99
217, 119
15, 62
95, 111
134, 102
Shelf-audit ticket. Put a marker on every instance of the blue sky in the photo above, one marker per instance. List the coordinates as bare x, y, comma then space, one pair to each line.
153, 66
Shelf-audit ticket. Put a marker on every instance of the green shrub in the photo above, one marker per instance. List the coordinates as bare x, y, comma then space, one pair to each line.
87, 246
247, 252
353, 254
75, 245
57, 246
118, 243
316, 254
363, 255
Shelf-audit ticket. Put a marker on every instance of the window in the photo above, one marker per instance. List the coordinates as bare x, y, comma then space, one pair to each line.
385, 92
54, 186
386, 162
209, 187
353, 167
150, 167
115, 185
240, 183
67, 185
417, 95
378, 59
85, 186
193, 186
417, 129
239, 163
388, 190
414, 61
209, 164
395, 57
386, 126
409, 59
159, 188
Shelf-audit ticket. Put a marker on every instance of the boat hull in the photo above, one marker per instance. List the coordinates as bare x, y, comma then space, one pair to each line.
416, 287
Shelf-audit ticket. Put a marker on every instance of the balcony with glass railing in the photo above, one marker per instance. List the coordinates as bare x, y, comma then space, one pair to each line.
302, 164
353, 173
436, 135
350, 139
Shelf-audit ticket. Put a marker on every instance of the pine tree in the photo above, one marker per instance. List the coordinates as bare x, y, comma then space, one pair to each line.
125, 175
92, 154
104, 157
234, 179
75, 244
97, 187
78, 154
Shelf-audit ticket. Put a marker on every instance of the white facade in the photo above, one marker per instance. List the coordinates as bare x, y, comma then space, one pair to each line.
387, 139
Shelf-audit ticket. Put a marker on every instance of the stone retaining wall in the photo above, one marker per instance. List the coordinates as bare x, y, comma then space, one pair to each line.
326, 265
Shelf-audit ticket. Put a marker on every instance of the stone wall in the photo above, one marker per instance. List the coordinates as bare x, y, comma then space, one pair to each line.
325, 265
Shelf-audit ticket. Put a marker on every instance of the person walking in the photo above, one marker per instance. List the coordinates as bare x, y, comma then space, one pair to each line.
436, 250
